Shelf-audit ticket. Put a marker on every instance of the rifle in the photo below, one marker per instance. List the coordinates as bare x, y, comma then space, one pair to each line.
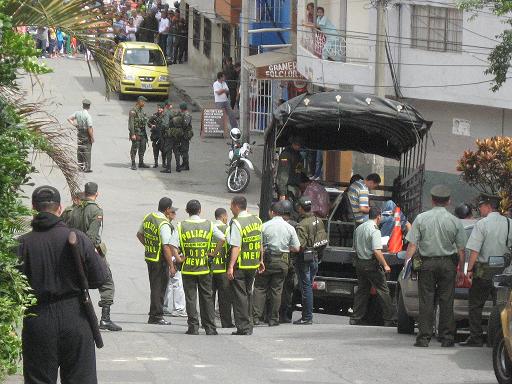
84, 288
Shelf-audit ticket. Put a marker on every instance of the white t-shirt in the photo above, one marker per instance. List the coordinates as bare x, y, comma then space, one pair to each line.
163, 26
222, 97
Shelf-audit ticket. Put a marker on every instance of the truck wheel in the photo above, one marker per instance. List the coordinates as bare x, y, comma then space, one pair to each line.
500, 360
494, 323
405, 323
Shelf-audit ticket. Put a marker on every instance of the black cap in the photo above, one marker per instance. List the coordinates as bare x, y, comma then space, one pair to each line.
90, 188
165, 203
304, 202
46, 194
440, 191
488, 199
286, 207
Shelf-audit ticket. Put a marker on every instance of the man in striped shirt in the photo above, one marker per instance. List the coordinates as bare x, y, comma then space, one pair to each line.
358, 196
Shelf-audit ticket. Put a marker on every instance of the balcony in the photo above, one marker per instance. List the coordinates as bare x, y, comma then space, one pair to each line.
229, 10
324, 46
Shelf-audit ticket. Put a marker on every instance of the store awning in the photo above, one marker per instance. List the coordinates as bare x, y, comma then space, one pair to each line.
280, 64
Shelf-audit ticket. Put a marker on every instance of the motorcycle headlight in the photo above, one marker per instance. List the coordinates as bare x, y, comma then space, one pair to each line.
163, 78
129, 77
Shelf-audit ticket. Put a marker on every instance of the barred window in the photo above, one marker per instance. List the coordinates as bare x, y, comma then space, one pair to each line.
196, 21
436, 28
226, 40
207, 37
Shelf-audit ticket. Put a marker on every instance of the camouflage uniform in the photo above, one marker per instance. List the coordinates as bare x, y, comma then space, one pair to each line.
137, 126
187, 134
291, 165
172, 136
155, 123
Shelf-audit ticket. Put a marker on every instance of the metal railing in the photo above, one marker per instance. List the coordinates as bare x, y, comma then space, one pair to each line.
324, 45
268, 10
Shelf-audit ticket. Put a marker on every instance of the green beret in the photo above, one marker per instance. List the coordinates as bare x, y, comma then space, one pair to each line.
141, 98
161, 105
183, 106
440, 191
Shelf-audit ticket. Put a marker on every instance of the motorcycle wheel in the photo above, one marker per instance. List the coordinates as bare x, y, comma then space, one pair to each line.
238, 179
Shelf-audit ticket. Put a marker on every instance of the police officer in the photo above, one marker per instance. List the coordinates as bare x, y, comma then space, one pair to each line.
439, 238
88, 218
184, 143
279, 239
160, 242
85, 135
286, 310
137, 130
371, 268
155, 124
313, 239
289, 170
195, 236
491, 236
56, 332
245, 260
220, 282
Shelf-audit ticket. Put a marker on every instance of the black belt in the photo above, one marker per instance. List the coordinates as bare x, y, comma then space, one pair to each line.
51, 299
436, 257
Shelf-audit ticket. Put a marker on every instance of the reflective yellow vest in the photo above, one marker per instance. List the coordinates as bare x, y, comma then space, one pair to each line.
250, 249
219, 261
195, 239
152, 239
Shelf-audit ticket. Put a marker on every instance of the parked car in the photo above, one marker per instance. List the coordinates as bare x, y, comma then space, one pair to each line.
408, 303
143, 69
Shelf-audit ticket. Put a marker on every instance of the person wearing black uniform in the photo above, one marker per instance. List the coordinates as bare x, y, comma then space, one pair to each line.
56, 333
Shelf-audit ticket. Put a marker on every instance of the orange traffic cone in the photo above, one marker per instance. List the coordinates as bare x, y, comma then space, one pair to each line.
395, 243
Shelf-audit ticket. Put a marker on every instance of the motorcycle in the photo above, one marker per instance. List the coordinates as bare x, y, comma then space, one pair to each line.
239, 167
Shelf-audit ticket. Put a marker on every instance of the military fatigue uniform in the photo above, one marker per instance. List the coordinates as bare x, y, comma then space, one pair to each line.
172, 135
84, 145
278, 238
156, 137
220, 282
184, 143
438, 236
88, 218
367, 239
195, 237
245, 232
291, 165
491, 236
137, 126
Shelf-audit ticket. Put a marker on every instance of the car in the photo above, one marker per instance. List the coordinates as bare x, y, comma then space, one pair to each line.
408, 304
143, 69
502, 341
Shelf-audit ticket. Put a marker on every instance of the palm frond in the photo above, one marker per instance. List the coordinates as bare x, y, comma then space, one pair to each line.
82, 19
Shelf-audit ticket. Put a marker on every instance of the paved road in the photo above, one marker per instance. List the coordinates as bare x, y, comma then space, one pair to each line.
330, 351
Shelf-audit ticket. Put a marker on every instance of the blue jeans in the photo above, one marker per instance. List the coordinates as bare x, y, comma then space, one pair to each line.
306, 272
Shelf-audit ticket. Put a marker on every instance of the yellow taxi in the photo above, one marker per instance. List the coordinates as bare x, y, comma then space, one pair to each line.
143, 69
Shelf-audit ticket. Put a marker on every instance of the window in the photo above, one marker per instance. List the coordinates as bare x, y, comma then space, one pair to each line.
143, 56
226, 40
196, 21
207, 37
268, 10
238, 50
436, 28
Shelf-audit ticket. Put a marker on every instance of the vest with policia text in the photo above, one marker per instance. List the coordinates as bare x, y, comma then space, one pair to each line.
195, 238
250, 249
152, 239
219, 261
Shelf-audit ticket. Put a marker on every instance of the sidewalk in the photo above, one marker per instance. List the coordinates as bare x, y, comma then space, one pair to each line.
198, 92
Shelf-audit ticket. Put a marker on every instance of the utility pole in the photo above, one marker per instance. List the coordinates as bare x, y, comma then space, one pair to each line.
244, 74
380, 72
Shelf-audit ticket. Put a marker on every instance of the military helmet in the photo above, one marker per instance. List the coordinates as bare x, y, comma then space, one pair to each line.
235, 134
463, 210
286, 207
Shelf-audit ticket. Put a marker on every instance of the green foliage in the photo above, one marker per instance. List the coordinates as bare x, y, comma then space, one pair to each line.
15, 144
500, 58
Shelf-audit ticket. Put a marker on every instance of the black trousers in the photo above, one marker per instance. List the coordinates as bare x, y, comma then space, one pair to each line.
59, 336
202, 284
480, 291
241, 289
158, 280
220, 284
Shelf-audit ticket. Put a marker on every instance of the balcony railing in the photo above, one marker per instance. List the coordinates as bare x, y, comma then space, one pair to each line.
325, 46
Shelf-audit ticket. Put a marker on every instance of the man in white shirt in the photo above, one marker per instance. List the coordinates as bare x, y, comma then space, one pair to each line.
163, 31
221, 94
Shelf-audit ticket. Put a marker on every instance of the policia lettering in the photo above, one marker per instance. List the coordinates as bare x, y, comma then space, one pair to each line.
218, 264
250, 250
152, 240
195, 241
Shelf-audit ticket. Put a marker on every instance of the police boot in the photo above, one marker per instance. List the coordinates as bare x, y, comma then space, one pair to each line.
105, 322
134, 167
185, 167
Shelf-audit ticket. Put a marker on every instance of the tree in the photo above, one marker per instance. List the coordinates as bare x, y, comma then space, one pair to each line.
500, 57
25, 127
489, 168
